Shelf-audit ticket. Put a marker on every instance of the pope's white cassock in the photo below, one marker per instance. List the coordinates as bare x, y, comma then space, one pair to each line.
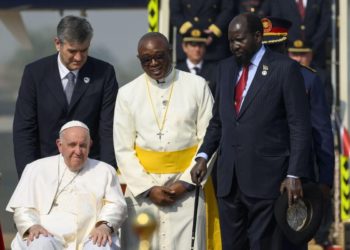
81, 199
157, 128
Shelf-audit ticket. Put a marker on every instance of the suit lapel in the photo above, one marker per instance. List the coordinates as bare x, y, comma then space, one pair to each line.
230, 83
294, 7
54, 83
309, 8
257, 83
83, 82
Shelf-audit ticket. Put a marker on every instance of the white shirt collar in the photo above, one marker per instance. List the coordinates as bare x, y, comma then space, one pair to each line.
304, 2
165, 81
63, 69
191, 65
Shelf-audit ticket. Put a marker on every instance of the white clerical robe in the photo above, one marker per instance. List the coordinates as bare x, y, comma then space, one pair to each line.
67, 204
135, 124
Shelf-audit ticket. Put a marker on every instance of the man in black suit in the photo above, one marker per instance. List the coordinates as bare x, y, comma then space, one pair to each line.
212, 16
310, 22
66, 86
262, 132
194, 46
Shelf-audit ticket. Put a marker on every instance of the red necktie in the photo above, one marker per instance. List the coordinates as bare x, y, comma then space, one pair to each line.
301, 9
242, 82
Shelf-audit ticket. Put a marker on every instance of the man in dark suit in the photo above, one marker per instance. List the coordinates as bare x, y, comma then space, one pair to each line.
261, 127
212, 16
310, 22
194, 46
66, 86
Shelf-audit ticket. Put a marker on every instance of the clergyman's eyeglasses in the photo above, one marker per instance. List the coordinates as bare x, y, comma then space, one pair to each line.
147, 60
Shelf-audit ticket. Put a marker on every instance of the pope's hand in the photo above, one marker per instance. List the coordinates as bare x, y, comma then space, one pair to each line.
162, 196
100, 235
34, 232
199, 170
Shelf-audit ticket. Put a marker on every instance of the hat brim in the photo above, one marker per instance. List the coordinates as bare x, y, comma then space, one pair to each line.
312, 198
273, 39
299, 50
194, 39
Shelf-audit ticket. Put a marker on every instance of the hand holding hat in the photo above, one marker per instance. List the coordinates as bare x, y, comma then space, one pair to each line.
299, 221
293, 188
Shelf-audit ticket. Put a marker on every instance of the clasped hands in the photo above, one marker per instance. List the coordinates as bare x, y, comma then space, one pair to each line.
167, 195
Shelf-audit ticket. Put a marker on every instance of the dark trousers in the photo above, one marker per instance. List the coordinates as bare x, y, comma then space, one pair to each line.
249, 223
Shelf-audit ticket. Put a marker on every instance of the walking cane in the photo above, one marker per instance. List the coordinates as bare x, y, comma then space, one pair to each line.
198, 186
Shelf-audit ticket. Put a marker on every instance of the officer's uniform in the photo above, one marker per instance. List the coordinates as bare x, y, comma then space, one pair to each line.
214, 15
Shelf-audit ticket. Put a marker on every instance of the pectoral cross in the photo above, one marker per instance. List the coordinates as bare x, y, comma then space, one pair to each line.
160, 134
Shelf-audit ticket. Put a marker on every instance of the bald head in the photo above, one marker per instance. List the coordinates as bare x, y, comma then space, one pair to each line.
153, 36
251, 22
154, 53
245, 36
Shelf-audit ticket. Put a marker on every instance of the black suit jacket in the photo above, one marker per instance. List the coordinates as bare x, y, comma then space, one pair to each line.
269, 138
201, 14
314, 26
42, 109
207, 72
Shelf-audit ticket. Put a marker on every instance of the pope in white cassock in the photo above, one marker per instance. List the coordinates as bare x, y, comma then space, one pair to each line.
160, 119
68, 201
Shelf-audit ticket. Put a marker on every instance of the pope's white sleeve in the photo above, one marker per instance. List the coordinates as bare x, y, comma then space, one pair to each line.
25, 218
114, 208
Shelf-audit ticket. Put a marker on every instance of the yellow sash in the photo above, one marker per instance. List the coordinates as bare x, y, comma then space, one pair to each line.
177, 162
165, 162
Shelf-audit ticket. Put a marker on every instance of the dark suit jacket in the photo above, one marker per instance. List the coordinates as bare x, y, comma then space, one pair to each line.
316, 22
42, 109
207, 72
322, 136
218, 12
269, 138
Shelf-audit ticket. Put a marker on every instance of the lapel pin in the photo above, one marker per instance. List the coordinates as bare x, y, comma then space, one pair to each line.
86, 79
265, 69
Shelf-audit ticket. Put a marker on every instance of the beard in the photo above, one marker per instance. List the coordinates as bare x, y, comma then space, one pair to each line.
243, 59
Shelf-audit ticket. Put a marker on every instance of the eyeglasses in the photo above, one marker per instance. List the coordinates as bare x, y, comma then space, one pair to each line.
147, 60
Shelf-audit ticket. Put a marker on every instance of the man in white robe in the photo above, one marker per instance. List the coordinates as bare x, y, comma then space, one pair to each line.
68, 201
160, 119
